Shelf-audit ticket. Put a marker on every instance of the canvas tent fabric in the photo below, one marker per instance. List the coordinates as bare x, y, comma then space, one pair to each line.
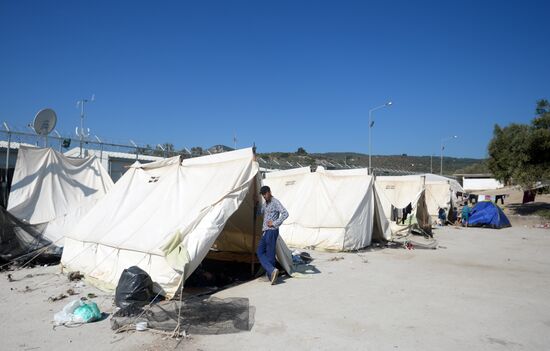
51, 188
328, 210
165, 217
400, 191
439, 191
488, 214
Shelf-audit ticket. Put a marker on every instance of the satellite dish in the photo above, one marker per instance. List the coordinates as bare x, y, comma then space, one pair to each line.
44, 121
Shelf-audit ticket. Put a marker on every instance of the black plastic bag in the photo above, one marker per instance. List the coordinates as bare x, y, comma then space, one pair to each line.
135, 287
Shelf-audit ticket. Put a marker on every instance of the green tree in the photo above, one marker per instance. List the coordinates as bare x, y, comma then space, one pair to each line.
301, 151
520, 152
196, 151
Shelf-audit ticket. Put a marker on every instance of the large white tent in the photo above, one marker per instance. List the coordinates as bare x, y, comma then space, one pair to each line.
166, 216
53, 189
328, 210
440, 192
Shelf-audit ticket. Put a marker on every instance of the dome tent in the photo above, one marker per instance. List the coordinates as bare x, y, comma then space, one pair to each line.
488, 214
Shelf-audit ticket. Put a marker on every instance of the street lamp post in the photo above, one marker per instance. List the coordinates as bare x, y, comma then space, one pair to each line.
442, 147
371, 124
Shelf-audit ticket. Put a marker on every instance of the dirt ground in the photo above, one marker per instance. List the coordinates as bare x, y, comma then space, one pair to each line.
483, 289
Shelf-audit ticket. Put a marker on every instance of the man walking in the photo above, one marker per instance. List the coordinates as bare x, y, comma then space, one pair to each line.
274, 215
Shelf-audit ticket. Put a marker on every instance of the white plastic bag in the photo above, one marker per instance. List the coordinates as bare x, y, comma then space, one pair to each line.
66, 316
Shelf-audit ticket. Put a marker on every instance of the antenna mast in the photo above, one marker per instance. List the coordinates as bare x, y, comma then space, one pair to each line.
82, 133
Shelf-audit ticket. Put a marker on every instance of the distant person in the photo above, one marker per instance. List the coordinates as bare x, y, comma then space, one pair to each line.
442, 216
274, 215
455, 215
466, 211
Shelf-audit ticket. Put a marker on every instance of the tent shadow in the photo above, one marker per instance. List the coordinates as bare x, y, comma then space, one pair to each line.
104, 316
528, 208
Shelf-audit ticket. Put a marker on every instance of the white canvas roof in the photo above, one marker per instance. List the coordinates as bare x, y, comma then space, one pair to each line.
329, 210
49, 187
165, 216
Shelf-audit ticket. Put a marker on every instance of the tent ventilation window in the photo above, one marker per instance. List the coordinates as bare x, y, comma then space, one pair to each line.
153, 179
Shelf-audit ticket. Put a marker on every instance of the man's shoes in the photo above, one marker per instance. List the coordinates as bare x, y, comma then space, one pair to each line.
274, 276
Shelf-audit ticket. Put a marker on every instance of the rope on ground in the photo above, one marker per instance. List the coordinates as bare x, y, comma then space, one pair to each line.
177, 328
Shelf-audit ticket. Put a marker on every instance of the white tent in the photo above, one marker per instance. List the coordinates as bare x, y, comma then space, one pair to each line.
328, 210
397, 193
440, 191
49, 187
165, 217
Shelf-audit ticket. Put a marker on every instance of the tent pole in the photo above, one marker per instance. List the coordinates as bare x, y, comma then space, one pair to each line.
252, 257
254, 197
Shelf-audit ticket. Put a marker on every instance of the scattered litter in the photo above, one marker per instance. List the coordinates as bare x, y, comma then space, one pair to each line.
80, 284
299, 257
56, 298
296, 259
135, 286
442, 247
75, 276
77, 312
10, 279
89, 312
71, 292
409, 246
542, 226
91, 295
141, 326
337, 258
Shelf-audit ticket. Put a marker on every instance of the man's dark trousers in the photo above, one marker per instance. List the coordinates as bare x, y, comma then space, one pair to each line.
266, 250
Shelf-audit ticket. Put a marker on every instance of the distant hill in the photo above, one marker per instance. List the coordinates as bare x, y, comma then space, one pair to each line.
383, 164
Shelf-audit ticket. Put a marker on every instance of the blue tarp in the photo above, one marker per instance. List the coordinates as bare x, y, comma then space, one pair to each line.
488, 214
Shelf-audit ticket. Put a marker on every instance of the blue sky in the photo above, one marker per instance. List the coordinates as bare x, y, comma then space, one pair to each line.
283, 74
